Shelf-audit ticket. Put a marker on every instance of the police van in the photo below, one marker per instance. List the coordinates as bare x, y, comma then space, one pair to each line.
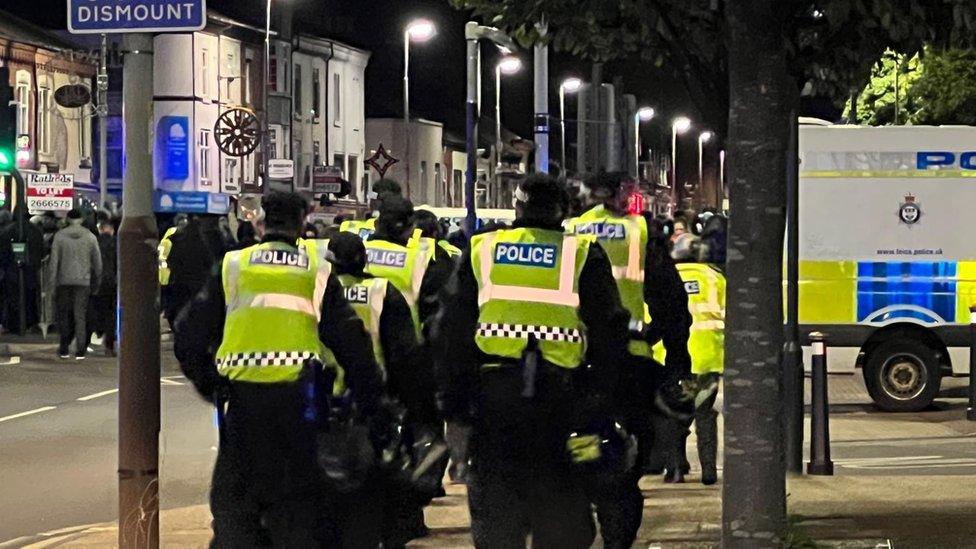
888, 253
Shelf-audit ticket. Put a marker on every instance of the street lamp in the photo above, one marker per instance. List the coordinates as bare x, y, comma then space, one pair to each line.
570, 85
473, 32
680, 124
703, 138
507, 65
643, 114
418, 30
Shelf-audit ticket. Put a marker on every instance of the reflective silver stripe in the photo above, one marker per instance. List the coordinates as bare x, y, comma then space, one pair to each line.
377, 294
277, 301
282, 358
323, 271
565, 295
708, 325
232, 273
626, 273
523, 331
635, 325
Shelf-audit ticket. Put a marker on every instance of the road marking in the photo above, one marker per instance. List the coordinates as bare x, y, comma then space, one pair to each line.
97, 395
165, 381
12, 361
906, 462
28, 413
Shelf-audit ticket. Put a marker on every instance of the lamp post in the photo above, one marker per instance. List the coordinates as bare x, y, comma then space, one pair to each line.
703, 138
643, 114
678, 125
473, 32
418, 30
507, 65
265, 91
570, 85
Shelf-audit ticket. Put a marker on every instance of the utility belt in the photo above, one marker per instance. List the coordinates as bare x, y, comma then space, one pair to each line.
533, 366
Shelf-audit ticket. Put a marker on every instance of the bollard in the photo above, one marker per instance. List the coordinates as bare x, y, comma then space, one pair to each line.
819, 463
971, 409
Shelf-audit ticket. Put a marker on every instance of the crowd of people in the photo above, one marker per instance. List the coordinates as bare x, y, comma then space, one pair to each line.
549, 365
68, 276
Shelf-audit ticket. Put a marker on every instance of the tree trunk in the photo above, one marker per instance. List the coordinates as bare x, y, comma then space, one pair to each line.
754, 488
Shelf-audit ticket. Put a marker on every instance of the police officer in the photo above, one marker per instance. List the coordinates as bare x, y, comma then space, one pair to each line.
526, 307
705, 285
644, 274
254, 333
415, 266
430, 227
366, 227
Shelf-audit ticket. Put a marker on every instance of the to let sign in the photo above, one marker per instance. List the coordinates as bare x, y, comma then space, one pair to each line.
50, 192
326, 179
108, 16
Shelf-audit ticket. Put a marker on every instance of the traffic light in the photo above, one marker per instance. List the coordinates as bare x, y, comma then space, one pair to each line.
8, 121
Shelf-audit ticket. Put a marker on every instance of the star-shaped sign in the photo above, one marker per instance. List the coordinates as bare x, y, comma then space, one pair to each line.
387, 161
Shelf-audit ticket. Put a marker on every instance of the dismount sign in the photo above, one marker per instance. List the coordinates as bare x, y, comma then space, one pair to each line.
107, 16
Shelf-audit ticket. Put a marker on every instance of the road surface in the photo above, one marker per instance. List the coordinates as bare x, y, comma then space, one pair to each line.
58, 442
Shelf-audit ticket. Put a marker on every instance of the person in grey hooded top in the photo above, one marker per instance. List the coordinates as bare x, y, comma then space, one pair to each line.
75, 268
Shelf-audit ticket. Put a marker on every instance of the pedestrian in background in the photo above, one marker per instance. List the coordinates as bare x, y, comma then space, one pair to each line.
76, 265
190, 260
104, 300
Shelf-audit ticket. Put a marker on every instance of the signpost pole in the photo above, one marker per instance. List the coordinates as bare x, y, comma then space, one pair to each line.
139, 326
103, 125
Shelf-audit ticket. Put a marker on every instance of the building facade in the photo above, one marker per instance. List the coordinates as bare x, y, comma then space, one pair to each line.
328, 126
49, 137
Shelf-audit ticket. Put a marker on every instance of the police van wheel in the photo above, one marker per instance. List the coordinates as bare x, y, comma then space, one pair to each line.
902, 376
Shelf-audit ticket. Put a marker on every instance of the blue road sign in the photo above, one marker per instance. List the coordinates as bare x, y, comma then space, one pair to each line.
108, 16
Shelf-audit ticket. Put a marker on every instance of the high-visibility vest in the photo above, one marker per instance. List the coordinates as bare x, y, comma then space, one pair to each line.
705, 287
403, 266
624, 238
528, 285
362, 227
274, 294
366, 296
162, 252
451, 249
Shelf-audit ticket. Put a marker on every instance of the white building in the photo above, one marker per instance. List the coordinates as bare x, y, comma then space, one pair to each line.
328, 110
50, 138
223, 73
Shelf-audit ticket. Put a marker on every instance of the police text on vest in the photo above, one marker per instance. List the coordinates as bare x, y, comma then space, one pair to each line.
356, 294
603, 231
386, 257
529, 255
279, 257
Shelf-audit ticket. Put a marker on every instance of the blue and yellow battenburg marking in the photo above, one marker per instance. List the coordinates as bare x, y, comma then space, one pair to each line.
526, 255
879, 292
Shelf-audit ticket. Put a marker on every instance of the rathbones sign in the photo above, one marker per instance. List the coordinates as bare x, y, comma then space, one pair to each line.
106, 16
945, 160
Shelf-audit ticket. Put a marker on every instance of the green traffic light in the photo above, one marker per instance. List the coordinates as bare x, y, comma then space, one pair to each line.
6, 160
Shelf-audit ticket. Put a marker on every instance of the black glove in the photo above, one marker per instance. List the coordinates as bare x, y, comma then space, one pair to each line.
674, 402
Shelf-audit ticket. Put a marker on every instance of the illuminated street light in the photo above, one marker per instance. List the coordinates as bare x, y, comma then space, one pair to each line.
645, 114
507, 65
418, 30
680, 124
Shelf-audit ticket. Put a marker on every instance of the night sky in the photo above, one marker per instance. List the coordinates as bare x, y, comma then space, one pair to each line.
437, 73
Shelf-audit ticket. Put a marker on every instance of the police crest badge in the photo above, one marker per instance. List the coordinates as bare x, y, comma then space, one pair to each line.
909, 211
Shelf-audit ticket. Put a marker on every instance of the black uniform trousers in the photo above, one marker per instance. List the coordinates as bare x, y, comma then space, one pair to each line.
521, 481
266, 491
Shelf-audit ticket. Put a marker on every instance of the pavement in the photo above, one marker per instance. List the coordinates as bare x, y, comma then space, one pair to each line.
901, 480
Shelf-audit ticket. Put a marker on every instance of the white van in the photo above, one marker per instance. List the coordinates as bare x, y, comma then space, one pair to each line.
888, 253
455, 216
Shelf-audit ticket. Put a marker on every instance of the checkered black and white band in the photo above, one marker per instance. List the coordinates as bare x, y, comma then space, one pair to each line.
523, 331
286, 358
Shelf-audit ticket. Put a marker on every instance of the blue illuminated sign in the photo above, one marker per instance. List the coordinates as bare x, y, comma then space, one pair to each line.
173, 140
190, 202
107, 16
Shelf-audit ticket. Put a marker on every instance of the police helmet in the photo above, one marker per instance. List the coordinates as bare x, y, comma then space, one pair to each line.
542, 197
